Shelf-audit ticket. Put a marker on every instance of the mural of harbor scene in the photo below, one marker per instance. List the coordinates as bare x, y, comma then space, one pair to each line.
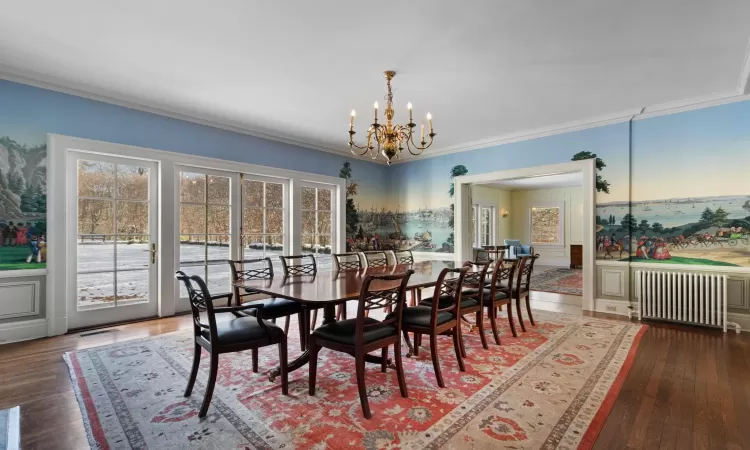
23, 203
692, 230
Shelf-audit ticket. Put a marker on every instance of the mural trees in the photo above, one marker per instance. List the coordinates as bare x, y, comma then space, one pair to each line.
456, 171
352, 215
602, 185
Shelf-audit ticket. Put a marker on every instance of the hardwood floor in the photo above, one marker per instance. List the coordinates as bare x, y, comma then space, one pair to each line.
688, 388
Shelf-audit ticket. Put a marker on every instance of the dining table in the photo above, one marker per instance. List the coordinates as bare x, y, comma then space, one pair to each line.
327, 289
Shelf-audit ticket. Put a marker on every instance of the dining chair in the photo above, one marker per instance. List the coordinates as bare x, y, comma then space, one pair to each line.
438, 315
407, 257
374, 259
498, 292
523, 289
471, 297
273, 308
362, 335
228, 335
295, 265
344, 262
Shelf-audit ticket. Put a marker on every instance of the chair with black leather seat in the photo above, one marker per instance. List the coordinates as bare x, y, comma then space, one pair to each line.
498, 292
343, 262
471, 301
296, 265
523, 288
228, 335
438, 315
273, 308
362, 335
374, 259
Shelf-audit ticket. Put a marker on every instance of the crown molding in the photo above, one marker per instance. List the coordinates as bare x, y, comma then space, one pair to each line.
742, 93
646, 112
45, 82
743, 85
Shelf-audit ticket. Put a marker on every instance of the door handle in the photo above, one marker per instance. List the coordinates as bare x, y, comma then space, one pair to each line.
153, 253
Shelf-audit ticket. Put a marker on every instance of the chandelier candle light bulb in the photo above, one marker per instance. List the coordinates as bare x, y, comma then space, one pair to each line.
390, 139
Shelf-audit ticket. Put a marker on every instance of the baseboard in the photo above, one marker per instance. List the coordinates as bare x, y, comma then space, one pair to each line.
556, 262
619, 307
743, 320
23, 330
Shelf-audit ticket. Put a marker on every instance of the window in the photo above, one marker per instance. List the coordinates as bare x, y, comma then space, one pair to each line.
262, 219
205, 228
546, 222
317, 220
483, 229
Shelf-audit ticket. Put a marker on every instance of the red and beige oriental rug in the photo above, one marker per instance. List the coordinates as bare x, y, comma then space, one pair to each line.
551, 387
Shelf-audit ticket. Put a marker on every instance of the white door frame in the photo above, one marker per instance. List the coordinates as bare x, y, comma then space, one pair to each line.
58, 146
135, 311
462, 213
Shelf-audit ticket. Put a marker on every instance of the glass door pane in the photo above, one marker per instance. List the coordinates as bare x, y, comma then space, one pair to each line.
114, 235
205, 214
262, 219
317, 223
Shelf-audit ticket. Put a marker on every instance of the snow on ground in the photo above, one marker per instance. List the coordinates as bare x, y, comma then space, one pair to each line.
96, 286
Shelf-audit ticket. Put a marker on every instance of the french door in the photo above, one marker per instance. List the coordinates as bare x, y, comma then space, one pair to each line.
112, 232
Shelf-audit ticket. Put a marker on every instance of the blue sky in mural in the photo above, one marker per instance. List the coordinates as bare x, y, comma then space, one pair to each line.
425, 183
698, 153
33, 112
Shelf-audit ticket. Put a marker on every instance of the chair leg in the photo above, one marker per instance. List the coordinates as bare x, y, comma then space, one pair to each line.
313, 364
408, 343
283, 367
436, 361
314, 319
194, 370
493, 324
255, 360
480, 324
400, 371
302, 320
520, 316
359, 362
461, 339
384, 362
528, 310
210, 385
286, 325
417, 343
512, 322
457, 348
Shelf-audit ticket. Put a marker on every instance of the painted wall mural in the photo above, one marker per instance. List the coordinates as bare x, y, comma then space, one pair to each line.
681, 197
23, 201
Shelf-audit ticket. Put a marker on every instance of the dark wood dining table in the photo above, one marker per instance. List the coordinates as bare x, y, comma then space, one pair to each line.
328, 289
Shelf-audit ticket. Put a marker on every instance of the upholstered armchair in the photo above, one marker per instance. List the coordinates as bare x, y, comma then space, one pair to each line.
516, 250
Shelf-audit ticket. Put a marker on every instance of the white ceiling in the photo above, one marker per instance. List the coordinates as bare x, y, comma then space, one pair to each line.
545, 182
293, 70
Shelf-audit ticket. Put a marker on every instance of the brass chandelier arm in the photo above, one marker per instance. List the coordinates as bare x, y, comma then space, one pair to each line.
410, 143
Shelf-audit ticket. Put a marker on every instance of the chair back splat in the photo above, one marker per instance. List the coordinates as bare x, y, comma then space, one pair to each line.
200, 301
346, 261
403, 257
299, 265
374, 295
374, 259
249, 269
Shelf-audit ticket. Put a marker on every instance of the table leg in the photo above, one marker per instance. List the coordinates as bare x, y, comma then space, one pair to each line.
329, 316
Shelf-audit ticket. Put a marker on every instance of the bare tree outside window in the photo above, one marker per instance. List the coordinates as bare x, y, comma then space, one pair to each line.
317, 220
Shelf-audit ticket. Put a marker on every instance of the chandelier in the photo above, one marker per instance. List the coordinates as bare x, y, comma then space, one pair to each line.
390, 139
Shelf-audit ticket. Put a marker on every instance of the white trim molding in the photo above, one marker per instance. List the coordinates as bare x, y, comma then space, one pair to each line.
618, 307
30, 299
22, 330
23, 273
690, 268
743, 85
462, 213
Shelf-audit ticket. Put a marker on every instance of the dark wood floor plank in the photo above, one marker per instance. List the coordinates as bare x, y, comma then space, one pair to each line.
663, 433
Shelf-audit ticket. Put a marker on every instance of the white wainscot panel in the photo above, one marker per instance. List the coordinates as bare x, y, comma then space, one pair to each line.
19, 299
613, 282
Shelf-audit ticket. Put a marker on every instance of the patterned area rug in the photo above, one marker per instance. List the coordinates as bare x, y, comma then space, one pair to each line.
559, 280
551, 387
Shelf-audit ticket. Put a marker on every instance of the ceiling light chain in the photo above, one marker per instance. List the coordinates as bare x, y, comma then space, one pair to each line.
389, 139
